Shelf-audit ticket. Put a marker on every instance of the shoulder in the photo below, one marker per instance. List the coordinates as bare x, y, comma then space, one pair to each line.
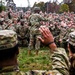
60, 53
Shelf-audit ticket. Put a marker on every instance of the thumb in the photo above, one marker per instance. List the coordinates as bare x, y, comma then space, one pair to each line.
41, 39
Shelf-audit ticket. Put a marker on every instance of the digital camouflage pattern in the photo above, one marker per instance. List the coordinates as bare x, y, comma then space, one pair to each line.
22, 32
60, 61
35, 20
7, 39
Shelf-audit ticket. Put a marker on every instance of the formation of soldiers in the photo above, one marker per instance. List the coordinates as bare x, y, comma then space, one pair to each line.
28, 27
59, 24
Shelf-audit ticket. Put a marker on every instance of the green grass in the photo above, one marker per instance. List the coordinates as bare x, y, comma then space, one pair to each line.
34, 62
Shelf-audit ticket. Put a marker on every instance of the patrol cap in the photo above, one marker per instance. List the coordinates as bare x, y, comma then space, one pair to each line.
8, 39
36, 9
72, 38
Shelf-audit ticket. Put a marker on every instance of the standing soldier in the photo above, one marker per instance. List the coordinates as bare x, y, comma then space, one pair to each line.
34, 20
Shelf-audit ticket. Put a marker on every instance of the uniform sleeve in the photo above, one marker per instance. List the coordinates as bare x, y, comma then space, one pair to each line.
60, 61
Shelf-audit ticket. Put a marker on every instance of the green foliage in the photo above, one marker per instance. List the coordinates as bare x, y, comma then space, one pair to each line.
64, 8
41, 5
2, 8
40, 62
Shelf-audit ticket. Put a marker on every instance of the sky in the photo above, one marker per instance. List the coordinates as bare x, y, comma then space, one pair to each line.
24, 3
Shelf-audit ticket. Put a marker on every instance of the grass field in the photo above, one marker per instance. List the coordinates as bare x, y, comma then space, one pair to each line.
34, 62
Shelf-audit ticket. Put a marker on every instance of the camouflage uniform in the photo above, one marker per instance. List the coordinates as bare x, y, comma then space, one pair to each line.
22, 31
11, 26
62, 36
5, 25
15, 24
34, 19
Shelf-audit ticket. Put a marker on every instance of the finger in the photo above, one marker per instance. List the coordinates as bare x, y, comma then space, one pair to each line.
42, 30
46, 32
41, 39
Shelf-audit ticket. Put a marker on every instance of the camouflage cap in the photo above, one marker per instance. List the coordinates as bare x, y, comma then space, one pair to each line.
72, 38
8, 39
36, 8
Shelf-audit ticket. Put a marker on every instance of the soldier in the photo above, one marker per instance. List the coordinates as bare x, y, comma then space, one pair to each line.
34, 21
60, 61
10, 25
8, 53
15, 23
22, 32
62, 35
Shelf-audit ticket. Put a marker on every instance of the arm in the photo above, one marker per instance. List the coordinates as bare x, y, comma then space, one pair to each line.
47, 38
60, 62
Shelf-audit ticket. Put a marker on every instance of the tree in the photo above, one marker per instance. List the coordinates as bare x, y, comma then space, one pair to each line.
2, 7
41, 5
72, 6
64, 8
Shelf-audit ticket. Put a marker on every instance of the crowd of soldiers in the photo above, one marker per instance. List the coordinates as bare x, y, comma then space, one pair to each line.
59, 24
30, 28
